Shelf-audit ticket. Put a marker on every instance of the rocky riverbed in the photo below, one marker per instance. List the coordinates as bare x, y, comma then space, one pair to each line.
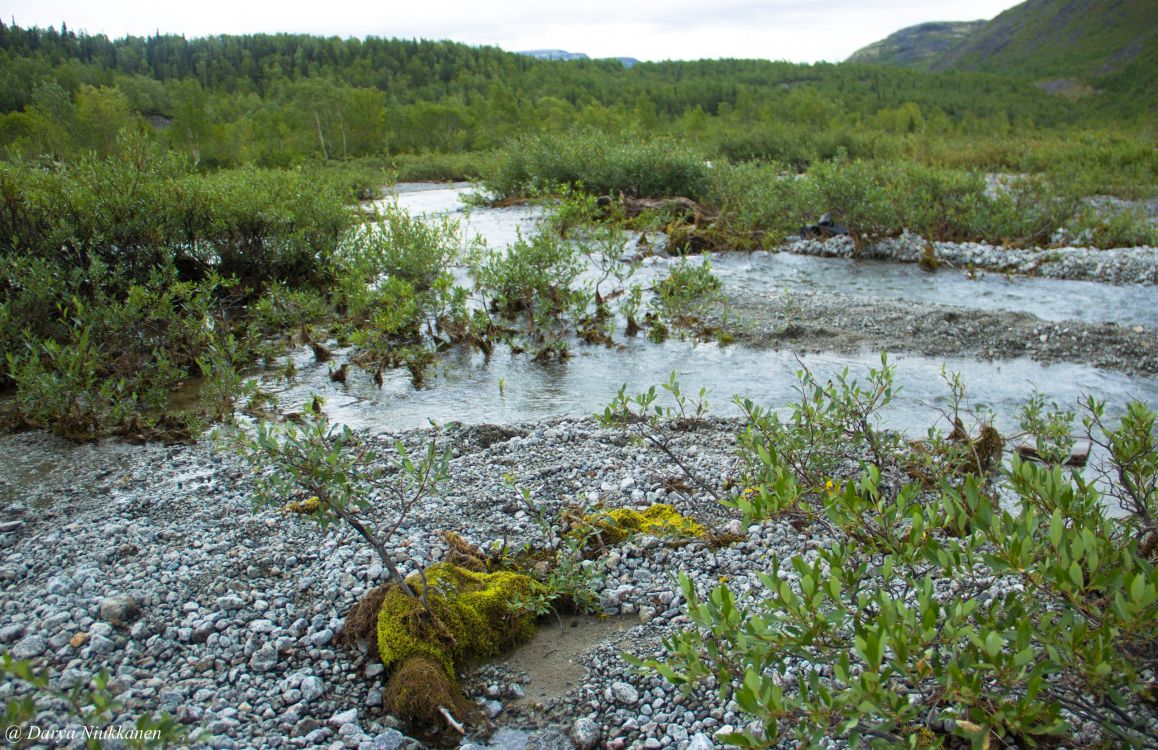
1125, 265
160, 572
829, 320
824, 321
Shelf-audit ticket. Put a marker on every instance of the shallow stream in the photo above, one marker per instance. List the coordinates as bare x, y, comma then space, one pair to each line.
505, 388
474, 389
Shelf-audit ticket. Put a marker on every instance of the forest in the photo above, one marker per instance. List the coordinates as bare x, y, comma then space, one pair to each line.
280, 100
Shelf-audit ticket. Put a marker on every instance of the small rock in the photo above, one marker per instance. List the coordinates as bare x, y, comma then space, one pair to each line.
322, 637
10, 633
101, 645
202, 632
230, 603
585, 733
312, 688
304, 727
264, 659
29, 648
120, 610
624, 693
61, 585
7, 527
345, 717
493, 709
391, 739
701, 741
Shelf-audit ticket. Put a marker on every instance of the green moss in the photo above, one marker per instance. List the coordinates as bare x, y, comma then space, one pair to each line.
660, 519
470, 619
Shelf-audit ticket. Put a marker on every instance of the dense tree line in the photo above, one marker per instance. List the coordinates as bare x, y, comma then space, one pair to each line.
280, 99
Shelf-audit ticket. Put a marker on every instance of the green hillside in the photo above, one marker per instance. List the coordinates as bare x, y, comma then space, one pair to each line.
919, 46
1110, 44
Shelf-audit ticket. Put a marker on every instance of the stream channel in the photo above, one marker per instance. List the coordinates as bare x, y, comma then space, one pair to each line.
505, 388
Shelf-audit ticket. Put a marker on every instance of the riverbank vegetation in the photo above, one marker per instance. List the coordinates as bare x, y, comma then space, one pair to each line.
131, 277
963, 598
176, 211
760, 203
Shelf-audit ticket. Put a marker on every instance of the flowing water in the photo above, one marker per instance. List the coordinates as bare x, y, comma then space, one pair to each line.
471, 388
1048, 299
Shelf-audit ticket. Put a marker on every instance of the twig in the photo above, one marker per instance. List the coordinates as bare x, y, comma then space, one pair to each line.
454, 724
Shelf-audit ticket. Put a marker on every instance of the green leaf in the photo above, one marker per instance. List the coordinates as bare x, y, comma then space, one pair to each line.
1056, 527
1075, 573
993, 644
1138, 589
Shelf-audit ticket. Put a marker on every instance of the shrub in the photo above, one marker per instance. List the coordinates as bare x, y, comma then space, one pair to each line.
533, 276
344, 473
537, 164
1048, 623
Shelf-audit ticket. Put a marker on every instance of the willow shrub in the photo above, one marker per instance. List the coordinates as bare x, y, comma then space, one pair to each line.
935, 615
599, 164
143, 210
881, 199
119, 272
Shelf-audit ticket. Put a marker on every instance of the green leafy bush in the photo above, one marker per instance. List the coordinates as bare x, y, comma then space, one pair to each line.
535, 276
534, 165
934, 614
338, 477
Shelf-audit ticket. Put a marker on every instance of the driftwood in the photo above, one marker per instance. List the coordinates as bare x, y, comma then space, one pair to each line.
685, 209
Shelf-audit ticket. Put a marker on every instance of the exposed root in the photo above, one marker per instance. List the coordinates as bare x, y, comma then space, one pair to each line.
362, 621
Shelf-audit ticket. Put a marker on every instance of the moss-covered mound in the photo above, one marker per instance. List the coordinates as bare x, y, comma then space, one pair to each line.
419, 691
660, 519
470, 618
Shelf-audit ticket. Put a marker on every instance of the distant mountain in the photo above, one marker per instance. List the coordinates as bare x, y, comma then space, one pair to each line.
554, 54
560, 54
919, 46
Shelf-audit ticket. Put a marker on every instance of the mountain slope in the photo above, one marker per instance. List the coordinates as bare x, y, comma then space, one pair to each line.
1090, 39
917, 46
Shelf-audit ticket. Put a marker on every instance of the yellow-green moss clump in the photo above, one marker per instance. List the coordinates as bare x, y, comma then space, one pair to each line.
304, 507
472, 617
660, 519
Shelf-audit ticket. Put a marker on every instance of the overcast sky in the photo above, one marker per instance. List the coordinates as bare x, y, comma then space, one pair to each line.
795, 30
